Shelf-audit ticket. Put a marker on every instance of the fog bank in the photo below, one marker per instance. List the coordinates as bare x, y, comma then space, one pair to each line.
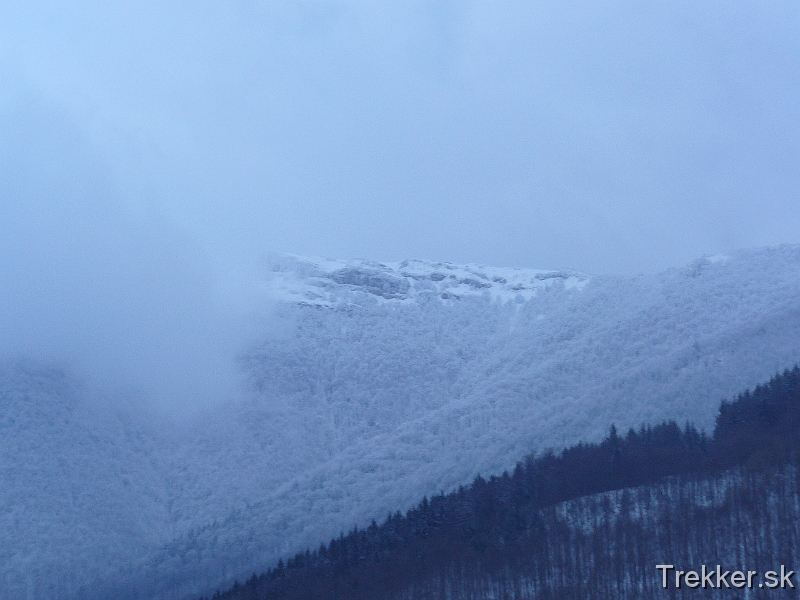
129, 302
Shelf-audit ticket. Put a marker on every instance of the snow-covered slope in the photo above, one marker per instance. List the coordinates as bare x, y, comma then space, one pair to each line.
78, 487
387, 382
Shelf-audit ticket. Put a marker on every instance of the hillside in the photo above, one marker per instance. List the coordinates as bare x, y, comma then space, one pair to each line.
382, 383
592, 521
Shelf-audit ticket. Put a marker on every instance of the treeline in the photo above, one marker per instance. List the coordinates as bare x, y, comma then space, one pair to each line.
507, 528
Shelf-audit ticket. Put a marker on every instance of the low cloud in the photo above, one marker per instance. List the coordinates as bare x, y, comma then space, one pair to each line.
129, 303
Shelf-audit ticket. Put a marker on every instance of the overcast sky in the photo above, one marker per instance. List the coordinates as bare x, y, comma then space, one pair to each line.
610, 137
148, 147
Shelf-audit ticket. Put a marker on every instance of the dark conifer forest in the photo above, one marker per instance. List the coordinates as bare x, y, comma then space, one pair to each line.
592, 521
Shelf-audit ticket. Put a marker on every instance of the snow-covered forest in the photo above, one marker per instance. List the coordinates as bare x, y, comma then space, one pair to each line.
384, 383
591, 521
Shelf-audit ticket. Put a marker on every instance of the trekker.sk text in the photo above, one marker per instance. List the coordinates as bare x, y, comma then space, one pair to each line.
716, 577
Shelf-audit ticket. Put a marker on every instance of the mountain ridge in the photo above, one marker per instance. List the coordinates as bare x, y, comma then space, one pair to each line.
324, 282
363, 405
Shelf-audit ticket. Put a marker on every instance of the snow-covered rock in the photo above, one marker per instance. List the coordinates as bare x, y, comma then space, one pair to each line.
330, 283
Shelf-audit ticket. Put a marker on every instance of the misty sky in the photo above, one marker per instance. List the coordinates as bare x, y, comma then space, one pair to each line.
602, 136
150, 149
